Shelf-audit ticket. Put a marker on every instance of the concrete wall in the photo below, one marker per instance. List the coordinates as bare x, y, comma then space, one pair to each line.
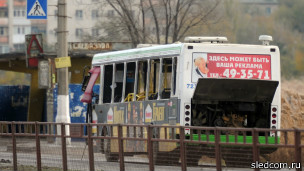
37, 96
77, 108
14, 103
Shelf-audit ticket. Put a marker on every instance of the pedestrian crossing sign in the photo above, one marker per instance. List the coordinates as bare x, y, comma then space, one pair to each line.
36, 9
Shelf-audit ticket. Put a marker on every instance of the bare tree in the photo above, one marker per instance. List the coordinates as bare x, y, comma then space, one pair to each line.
157, 21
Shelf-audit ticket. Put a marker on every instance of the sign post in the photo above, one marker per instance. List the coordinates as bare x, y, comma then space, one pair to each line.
36, 9
34, 46
63, 62
43, 74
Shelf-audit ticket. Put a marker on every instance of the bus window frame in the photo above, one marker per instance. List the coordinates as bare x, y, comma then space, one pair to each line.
148, 79
147, 87
135, 81
101, 85
160, 79
173, 87
124, 83
113, 82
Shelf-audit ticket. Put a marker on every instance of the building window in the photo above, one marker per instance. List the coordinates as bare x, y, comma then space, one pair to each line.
1, 31
35, 29
79, 14
268, 10
110, 13
95, 32
55, 32
4, 49
79, 32
19, 47
132, 13
56, 13
3, 13
19, 13
95, 14
153, 30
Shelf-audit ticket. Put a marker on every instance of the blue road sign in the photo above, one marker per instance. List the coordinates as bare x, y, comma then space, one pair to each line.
36, 9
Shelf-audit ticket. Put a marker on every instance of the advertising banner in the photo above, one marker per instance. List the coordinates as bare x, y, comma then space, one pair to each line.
218, 65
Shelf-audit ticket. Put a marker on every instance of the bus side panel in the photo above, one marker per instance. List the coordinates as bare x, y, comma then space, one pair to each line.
156, 112
163, 112
139, 112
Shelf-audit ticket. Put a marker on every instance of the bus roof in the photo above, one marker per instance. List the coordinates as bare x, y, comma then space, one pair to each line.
138, 53
159, 51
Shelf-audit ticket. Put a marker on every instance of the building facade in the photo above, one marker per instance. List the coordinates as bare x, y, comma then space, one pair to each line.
83, 15
85, 19
14, 25
261, 7
4, 27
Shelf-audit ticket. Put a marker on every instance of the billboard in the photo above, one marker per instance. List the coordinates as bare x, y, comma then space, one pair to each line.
219, 65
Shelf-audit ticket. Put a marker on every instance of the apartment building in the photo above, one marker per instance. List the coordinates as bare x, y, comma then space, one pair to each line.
84, 21
83, 15
14, 26
5, 26
260, 7
21, 26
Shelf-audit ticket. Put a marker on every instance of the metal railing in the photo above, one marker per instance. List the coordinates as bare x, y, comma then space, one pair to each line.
219, 141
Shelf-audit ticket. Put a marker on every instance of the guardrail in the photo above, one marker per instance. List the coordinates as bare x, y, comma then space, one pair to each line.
220, 143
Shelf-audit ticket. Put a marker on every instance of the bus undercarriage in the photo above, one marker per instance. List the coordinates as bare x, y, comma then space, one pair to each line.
236, 103
231, 114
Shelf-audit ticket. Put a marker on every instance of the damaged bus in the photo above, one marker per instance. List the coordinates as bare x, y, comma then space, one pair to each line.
203, 81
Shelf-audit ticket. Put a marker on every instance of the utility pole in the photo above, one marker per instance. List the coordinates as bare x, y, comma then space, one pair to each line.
63, 112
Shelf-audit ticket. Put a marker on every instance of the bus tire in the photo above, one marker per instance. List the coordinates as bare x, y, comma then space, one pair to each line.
165, 158
105, 145
155, 153
102, 146
102, 132
110, 157
193, 154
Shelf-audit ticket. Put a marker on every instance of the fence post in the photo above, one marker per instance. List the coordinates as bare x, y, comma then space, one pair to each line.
182, 148
14, 146
255, 148
38, 151
90, 148
64, 151
298, 149
218, 150
150, 148
120, 147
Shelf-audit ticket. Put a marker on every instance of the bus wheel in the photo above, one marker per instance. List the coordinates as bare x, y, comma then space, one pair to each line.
102, 132
101, 145
155, 153
194, 154
168, 158
110, 157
